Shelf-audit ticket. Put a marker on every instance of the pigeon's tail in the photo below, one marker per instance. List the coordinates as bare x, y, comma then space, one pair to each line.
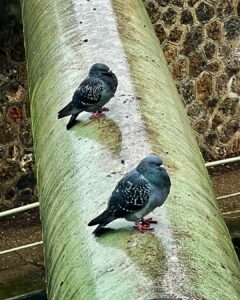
103, 219
72, 121
68, 110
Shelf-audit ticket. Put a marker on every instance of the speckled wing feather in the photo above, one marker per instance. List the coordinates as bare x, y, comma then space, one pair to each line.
88, 93
130, 195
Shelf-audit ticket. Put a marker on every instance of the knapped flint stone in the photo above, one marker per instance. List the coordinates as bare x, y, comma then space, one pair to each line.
15, 114
194, 110
204, 12
226, 50
232, 66
175, 35
153, 11
230, 128
211, 137
25, 135
197, 64
212, 102
160, 32
214, 31
170, 52
216, 36
204, 87
224, 8
193, 39
14, 152
201, 125
7, 133
188, 92
233, 126
8, 171
236, 84
217, 120
180, 69
186, 17
214, 66
169, 16
221, 83
209, 50
228, 106
232, 28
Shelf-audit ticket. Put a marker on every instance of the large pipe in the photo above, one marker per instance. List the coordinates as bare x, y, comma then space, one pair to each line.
190, 254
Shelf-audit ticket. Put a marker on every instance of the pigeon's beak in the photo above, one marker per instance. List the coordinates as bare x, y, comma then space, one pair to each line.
109, 71
163, 167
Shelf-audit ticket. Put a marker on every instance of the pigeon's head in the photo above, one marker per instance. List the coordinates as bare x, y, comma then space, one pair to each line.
99, 69
150, 162
152, 168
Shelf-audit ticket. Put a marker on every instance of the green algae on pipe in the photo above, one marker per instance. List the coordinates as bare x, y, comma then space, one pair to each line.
190, 255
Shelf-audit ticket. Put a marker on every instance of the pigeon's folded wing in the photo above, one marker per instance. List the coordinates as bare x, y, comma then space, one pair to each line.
88, 93
130, 195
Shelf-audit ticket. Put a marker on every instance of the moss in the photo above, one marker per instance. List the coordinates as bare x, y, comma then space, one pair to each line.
101, 131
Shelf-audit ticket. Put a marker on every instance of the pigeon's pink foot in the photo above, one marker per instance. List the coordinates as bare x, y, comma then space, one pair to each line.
142, 227
105, 109
96, 115
149, 221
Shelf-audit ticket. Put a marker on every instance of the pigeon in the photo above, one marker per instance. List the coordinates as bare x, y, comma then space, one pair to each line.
92, 94
138, 193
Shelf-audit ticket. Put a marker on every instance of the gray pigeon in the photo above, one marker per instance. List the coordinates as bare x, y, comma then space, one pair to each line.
138, 193
92, 94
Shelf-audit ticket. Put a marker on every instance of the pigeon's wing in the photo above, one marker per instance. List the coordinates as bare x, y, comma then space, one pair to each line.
130, 195
88, 93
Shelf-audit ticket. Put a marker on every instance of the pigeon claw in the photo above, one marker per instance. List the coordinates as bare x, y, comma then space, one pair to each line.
99, 113
96, 114
149, 221
142, 227
105, 109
